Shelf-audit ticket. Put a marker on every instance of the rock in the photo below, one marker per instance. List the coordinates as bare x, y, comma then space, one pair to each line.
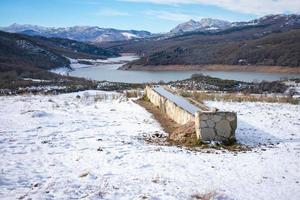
223, 129
83, 174
231, 117
233, 124
99, 149
211, 124
204, 117
216, 118
35, 184
203, 124
207, 134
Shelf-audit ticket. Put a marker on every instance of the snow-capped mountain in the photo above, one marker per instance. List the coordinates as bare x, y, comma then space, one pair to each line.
214, 25
99, 35
204, 24
79, 33
279, 21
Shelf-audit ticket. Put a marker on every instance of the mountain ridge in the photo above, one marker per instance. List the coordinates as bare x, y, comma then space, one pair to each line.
268, 41
80, 33
203, 25
95, 34
217, 25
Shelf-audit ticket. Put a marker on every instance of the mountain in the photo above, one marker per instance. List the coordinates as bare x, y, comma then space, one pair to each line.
276, 49
270, 40
205, 24
27, 54
79, 33
216, 25
279, 21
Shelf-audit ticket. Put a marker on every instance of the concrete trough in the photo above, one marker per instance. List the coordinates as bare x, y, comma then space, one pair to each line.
210, 124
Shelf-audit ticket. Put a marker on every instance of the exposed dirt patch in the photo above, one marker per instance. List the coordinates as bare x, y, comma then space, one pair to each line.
184, 135
181, 135
238, 68
166, 123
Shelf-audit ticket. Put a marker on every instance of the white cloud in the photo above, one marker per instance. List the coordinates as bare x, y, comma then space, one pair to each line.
257, 7
171, 16
111, 13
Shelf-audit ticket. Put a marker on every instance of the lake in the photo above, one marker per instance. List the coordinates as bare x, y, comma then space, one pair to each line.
107, 70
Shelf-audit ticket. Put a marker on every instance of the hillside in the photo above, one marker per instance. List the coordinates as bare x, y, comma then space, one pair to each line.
25, 54
277, 49
271, 40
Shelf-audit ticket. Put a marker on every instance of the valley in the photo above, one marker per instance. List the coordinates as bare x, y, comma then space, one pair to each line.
199, 109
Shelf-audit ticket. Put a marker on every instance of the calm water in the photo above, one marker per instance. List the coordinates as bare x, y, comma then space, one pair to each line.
109, 72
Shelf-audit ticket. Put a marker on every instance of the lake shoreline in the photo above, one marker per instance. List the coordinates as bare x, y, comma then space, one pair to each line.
109, 70
225, 68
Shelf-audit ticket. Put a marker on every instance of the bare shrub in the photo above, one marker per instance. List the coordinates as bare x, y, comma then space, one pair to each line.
133, 93
206, 196
238, 97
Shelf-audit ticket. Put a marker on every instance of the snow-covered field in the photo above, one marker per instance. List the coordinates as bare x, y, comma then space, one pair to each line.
65, 147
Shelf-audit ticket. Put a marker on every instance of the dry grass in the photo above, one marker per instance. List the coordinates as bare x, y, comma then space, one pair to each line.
206, 196
133, 93
238, 97
98, 97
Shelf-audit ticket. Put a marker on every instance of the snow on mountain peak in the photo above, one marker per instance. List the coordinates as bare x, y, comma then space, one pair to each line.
79, 33
202, 25
129, 35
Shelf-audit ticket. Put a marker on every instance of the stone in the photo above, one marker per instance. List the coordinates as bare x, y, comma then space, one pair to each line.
203, 124
83, 174
204, 117
233, 125
211, 124
231, 117
221, 139
223, 129
207, 134
216, 118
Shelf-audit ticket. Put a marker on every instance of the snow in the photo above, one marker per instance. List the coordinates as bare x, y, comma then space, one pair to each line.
35, 80
65, 147
129, 35
63, 70
96, 63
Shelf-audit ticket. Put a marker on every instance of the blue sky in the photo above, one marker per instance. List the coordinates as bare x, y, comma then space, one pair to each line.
151, 15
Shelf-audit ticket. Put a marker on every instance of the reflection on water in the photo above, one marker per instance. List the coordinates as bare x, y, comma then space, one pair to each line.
109, 72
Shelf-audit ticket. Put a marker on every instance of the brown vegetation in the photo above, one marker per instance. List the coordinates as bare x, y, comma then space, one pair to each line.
30, 57
206, 196
253, 46
215, 67
238, 97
